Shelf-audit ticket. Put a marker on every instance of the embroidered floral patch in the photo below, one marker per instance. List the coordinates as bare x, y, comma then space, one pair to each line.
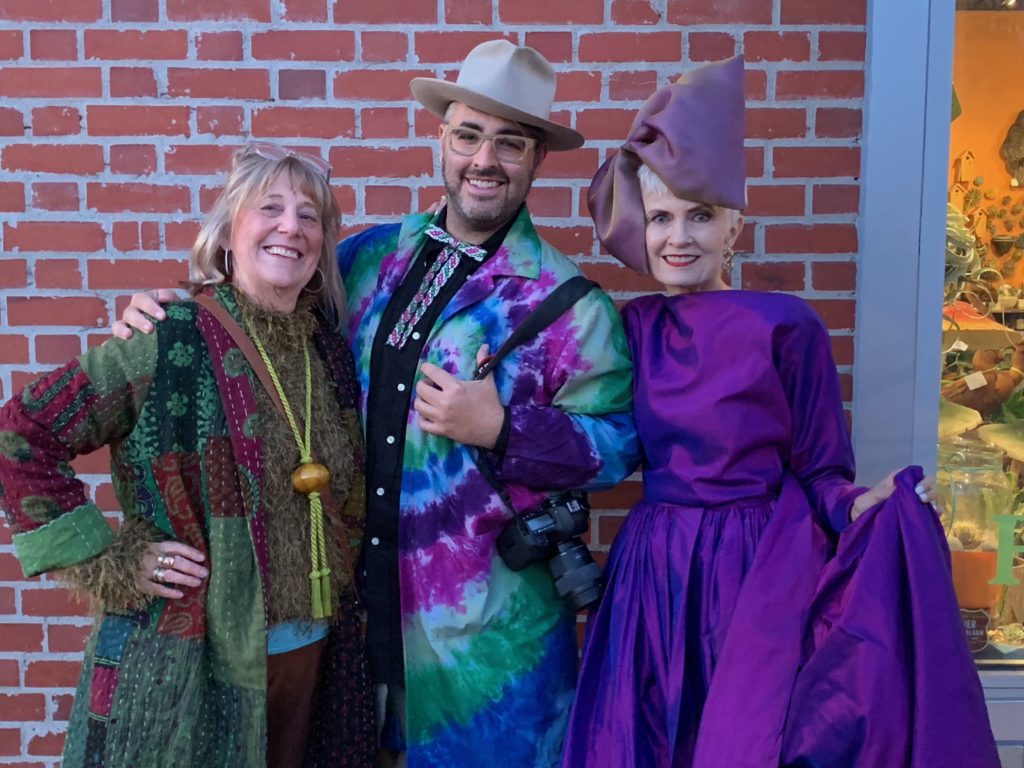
181, 354
177, 404
179, 312
14, 446
234, 362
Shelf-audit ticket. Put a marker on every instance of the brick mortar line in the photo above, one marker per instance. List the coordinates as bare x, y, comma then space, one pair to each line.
196, 216
342, 102
665, 68
497, 27
26, 62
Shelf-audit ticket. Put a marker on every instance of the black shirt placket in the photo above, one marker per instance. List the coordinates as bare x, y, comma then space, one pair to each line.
392, 373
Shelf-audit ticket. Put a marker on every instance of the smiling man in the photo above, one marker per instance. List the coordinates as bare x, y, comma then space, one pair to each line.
473, 658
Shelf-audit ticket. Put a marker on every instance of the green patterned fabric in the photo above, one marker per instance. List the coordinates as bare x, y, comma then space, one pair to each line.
176, 682
69, 539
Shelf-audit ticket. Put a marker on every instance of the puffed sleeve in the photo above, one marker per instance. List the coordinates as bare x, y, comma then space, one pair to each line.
822, 454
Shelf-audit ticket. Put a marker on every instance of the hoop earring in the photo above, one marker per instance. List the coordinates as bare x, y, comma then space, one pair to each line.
227, 263
323, 282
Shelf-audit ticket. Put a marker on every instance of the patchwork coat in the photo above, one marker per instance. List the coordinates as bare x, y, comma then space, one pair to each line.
490, 654
182, 682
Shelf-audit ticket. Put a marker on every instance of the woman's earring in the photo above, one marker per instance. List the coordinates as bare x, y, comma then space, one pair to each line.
727, 255
227, 263
323, 282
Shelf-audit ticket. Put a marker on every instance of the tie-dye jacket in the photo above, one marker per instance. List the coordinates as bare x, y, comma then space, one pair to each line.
490, 654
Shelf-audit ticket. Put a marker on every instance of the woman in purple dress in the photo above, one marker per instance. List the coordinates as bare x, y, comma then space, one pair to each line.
732, 632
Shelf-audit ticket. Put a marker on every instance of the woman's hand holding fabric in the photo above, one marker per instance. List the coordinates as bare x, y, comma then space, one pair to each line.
170, 563
925, 491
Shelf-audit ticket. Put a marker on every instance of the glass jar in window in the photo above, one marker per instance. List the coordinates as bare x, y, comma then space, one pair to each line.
973, 487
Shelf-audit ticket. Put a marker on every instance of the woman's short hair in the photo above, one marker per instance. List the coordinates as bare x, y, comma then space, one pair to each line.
651, 184
250, 176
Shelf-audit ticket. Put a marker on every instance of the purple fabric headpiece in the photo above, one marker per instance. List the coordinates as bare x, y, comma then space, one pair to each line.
690, 133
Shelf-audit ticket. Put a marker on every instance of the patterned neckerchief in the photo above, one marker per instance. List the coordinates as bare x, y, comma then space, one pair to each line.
439, 273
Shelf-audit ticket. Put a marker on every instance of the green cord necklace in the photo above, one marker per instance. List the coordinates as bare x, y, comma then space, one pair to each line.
309, 478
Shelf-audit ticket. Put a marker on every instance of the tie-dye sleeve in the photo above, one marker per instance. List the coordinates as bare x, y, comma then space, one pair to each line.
586, 438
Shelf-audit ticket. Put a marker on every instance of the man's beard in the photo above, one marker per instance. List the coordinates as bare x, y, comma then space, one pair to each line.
487, 217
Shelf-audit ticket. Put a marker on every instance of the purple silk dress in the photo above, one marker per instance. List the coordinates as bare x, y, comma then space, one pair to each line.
748, 474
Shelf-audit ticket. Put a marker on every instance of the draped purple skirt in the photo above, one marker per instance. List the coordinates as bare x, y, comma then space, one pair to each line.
727, 637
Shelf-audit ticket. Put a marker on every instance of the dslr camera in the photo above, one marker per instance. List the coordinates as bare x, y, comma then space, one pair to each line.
552, 533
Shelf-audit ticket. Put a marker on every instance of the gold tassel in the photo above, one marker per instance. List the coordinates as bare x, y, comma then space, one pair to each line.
321, 586
314, 591
325, 587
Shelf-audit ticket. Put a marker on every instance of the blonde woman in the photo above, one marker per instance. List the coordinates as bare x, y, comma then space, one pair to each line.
228, 631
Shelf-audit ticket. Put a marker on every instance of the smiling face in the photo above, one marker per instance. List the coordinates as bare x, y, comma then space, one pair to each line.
686, 241
483, 191
276, 241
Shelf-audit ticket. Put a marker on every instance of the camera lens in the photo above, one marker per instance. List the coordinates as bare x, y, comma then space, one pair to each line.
577, 577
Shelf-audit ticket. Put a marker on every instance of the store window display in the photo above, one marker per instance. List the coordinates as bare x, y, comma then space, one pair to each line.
981, 430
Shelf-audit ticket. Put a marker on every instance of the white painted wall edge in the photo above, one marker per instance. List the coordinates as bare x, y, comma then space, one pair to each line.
902, 232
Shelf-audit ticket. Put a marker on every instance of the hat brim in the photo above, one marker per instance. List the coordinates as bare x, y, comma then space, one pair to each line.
436, 95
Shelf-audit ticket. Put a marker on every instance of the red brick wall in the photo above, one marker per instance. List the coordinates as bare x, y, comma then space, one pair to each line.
117, 116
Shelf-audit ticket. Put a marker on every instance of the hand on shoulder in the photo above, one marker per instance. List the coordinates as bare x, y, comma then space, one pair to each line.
143, 306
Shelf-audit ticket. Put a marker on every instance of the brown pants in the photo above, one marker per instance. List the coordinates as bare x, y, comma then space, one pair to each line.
291, 688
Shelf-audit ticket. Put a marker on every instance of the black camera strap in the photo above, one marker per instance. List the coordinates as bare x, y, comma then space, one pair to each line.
556, 304
544, 314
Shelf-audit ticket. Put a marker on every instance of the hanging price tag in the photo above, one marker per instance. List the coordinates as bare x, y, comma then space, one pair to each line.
958, 346
975, 380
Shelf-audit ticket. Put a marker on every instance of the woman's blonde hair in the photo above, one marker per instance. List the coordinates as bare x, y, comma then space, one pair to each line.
651, 184
251, 175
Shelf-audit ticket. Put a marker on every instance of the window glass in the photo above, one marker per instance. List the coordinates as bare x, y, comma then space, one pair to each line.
981, 423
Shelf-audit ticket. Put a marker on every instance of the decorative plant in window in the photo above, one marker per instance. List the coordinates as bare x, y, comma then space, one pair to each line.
968, 277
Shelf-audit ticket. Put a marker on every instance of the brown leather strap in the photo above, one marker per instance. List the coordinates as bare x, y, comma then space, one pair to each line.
241, 338
331, 509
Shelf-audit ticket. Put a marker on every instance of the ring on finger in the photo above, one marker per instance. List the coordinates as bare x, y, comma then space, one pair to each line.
158, 574
165, 561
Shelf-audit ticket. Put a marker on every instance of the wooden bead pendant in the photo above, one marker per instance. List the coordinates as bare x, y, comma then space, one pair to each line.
309, 478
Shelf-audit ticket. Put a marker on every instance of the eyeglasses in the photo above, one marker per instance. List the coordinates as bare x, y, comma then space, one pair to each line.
509, 147
270, 151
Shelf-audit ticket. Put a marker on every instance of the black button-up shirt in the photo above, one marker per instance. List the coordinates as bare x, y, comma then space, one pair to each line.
392, 371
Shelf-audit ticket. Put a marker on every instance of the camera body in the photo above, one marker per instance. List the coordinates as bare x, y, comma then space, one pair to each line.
552, 533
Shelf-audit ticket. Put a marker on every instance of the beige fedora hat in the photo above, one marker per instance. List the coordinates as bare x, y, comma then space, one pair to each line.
510, 81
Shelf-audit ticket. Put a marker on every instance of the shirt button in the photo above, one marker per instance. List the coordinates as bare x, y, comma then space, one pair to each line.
415, 335
401, 387
375, 541
380, 491
391, 439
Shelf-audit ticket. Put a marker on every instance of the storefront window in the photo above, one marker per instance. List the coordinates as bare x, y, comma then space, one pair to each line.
981, 424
